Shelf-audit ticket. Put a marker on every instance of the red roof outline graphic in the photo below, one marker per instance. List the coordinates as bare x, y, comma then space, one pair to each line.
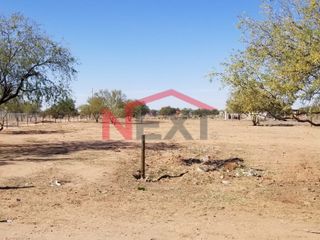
179, 95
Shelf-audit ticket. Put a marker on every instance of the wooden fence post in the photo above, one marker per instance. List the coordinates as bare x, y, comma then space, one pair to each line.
143, 156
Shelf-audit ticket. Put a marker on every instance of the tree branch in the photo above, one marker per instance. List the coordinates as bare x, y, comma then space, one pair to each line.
306, 121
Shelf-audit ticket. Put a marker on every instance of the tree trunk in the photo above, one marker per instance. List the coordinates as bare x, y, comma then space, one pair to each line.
17, 119
255, 120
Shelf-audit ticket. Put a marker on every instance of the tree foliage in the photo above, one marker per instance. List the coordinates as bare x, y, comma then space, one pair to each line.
64, 108
141, 110
186, 112
168, 111
204, 112
280, 65
114, 101
19, 105
93, 108
32, 65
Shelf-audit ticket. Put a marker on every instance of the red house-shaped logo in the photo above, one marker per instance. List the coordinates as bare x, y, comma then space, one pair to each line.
126, 128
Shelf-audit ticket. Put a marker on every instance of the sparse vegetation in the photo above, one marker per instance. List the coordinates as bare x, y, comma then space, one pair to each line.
173, 173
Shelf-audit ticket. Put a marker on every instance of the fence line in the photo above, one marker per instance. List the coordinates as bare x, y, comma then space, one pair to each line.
10, 119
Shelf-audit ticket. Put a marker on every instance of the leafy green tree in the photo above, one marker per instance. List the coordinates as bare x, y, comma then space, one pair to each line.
54, 112
140, 110
114, 101
168, 111
64, 108
279, 66
19, 105
93, 108
84, 110
14, 106
32, 65
31, 108
68, 107
186, 112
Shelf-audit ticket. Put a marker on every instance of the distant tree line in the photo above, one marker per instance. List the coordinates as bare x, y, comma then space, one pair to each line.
114, 101
186, 112
64, 108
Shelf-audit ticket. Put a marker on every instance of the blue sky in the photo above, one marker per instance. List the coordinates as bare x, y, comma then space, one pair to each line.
143, 46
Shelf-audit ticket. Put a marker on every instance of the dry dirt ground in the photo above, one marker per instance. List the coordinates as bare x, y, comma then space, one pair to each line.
100, 199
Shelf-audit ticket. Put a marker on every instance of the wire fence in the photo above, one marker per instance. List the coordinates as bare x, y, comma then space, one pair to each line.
16, 119
9, 119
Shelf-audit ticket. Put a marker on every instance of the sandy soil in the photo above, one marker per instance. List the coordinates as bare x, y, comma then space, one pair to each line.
100, 199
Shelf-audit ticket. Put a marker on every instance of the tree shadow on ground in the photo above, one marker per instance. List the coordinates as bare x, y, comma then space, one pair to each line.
15, 187
278, 125
52, 151
27, 132
4, 163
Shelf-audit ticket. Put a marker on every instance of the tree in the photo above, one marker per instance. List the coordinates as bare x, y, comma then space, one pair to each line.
31, 108
140, 110
64, 108
280, 65
93, 108
250, 100
68, 108
168, 111
186, 112
84, 110
13, 106
53, 111
114, 101
32, 65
